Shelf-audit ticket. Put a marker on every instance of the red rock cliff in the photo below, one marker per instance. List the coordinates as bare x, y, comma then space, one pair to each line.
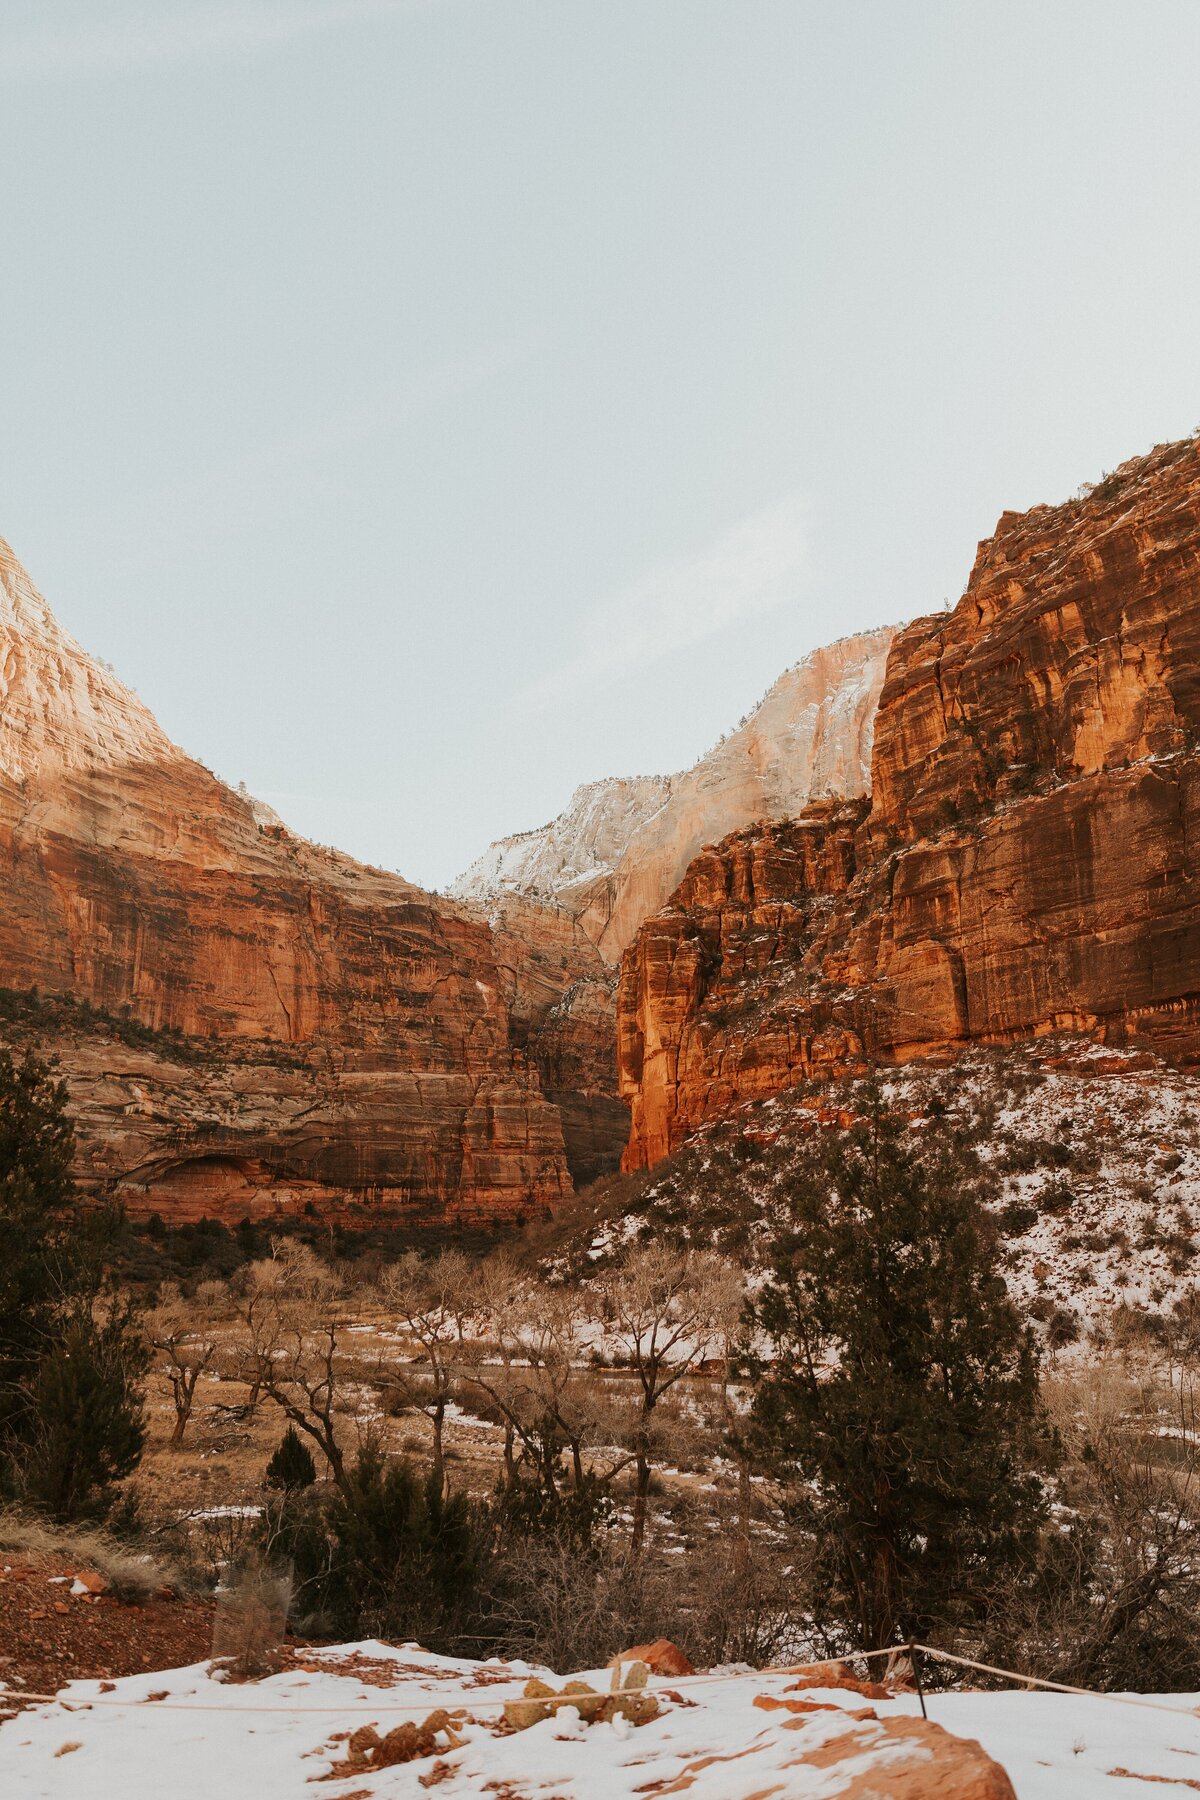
1029, 860
347, 1036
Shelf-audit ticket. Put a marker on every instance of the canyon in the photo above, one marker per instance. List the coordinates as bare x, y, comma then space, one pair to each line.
1026, 862
252, 1024
979, 828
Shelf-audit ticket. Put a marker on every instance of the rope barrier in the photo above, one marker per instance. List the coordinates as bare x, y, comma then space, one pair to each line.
1055, 1687
460, 1704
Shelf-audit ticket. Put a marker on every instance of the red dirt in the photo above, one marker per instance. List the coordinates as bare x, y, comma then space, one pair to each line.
49, 1636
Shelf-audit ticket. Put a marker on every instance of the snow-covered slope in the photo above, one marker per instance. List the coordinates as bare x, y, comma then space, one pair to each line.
1087, 1156
736, 1736
621, 847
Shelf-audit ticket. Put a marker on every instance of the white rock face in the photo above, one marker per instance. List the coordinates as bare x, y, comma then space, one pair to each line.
586, 841
621, 847
58, 707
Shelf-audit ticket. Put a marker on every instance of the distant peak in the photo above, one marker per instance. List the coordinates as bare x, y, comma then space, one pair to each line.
622, 843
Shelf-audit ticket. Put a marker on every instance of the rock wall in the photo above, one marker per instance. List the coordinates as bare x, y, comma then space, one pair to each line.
351, 1042
564, 901
1029, 858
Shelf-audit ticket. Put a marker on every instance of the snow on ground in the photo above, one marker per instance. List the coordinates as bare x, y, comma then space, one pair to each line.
184, 1735
1057, 1747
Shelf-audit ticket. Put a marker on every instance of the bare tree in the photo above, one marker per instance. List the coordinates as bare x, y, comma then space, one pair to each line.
1115, 1598
430, 1298
187, 1344
292, 1318
533, 1369
670, 1310
499, 1290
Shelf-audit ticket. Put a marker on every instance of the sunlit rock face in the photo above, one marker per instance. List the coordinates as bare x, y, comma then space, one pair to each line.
1027, 861
622, 846
347, 1041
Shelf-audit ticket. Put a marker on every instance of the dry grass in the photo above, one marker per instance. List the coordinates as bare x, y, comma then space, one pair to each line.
133, 1575
222, 1461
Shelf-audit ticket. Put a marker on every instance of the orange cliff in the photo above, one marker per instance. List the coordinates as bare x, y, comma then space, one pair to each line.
1029, 857
287, 1027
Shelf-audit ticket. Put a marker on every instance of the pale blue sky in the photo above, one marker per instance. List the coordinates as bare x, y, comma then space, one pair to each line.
431, 404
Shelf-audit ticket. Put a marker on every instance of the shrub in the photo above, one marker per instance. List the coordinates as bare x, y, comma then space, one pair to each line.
574, 1515
1062, 1327
291, 1467
134, 1575
388, 1555
1017, 1218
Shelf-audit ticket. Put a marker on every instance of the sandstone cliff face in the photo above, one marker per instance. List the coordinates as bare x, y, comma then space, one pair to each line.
359, 1049
619, 850
1029, 859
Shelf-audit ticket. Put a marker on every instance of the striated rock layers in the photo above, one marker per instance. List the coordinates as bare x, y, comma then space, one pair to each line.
622, 846
308, 1030
1029, 859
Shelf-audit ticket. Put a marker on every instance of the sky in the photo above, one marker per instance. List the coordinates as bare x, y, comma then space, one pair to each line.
429, 405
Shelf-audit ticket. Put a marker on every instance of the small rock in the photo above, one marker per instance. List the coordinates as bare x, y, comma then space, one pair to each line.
662, 1657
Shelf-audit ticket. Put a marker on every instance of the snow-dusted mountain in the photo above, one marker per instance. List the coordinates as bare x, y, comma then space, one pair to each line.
621, 847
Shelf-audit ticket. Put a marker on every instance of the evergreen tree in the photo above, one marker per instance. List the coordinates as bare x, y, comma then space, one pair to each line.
390, 1555
88, 1433
37, 1143
70, 1360
901, 1391
291, 1467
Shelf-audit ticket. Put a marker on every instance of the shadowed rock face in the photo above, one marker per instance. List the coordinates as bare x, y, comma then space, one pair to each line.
561, 999
1028, 860
351, 1044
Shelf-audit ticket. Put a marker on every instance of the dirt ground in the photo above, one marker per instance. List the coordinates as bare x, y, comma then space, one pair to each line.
50, 1634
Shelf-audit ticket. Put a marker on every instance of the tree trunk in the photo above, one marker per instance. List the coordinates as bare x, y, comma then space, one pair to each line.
641, 1497
438, 1416
184, 1395
745, 1500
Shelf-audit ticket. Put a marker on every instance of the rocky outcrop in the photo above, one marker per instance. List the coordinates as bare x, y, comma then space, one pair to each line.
1028, 861
707, 1013
346, 1036
621, 847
